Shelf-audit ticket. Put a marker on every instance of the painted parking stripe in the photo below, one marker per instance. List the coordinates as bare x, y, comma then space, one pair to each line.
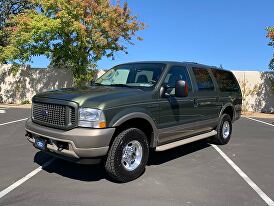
19, 120
252, 184
260, 121
2, 111
24, 179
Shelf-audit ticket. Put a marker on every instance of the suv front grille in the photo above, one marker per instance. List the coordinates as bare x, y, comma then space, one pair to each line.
54, 115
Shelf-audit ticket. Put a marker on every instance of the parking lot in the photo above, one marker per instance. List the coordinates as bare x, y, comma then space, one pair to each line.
240, 173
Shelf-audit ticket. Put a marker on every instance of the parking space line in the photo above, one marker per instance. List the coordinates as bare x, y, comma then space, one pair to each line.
2, 111
252, 184
24, 179
19, 120
259, 121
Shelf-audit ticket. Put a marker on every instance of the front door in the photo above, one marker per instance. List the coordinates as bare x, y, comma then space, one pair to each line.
176, 113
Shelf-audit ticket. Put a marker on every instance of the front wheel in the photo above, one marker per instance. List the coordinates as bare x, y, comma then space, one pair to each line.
128, 155
224, 130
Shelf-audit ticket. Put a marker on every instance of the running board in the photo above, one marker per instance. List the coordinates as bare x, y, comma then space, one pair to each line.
185, 141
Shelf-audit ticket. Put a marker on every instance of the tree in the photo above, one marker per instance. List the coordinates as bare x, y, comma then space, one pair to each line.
7, 9
74, 34
270, 35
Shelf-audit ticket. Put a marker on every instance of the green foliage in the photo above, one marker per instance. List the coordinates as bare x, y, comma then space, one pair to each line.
85, 78
74, 34
15, 69
9, 8
270, 35
25, 102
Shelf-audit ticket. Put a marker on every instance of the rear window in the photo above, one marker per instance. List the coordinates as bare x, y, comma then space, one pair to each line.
226, 81
203, 79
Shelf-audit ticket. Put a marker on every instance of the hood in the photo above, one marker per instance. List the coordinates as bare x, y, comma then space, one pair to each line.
91, 95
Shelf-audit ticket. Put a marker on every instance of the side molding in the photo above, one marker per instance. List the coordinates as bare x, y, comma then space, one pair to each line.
185, 141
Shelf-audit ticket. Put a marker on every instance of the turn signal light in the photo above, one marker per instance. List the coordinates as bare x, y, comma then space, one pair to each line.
102, 125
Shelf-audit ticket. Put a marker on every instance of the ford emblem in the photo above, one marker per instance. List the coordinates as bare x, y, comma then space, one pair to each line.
44, 112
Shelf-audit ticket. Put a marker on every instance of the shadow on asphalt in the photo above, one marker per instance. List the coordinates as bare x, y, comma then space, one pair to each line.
157, 158
96, 172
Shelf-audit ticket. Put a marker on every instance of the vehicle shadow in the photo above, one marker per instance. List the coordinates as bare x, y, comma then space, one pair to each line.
157, 158
71, 170
89, 173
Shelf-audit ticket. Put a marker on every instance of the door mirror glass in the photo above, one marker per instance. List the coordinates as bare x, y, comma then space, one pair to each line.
181, 89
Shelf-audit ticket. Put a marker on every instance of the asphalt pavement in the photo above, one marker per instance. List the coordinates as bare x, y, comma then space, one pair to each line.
194, 174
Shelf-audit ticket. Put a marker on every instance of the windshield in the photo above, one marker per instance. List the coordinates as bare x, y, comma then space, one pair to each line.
132, 75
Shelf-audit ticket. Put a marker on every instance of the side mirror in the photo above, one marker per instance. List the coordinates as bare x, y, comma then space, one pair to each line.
181, 89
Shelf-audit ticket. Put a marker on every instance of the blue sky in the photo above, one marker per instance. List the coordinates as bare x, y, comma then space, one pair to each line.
214, 32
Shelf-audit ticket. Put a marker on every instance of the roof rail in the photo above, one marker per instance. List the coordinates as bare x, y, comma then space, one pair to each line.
190, 62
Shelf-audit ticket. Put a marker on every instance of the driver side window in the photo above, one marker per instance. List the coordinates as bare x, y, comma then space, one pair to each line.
177, 73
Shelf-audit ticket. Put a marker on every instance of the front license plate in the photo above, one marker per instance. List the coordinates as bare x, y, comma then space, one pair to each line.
40, 143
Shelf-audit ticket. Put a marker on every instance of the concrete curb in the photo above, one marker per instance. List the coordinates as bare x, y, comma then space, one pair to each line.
19, 106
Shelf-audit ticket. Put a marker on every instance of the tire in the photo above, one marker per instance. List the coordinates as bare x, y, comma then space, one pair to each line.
122, 167
224, 130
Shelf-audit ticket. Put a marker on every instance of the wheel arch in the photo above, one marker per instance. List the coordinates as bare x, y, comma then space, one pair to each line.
228, 109
137, 118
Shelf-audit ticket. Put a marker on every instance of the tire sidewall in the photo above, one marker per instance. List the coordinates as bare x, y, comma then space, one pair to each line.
128, 136
224, 118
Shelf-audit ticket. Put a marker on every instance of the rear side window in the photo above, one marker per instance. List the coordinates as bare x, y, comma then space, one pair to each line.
226, 81
203, 79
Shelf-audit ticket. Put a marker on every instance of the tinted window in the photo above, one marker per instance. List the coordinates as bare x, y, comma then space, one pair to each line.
177, 73
203, 79
226, 81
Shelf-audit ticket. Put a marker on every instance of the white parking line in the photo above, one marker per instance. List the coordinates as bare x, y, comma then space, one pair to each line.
24, 179
2, 111
19, 120
269, 124
252, 184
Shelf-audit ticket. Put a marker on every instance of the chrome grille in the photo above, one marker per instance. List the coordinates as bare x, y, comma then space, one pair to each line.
53, 115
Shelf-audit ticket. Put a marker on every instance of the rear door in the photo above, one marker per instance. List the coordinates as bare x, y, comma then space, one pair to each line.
206, 98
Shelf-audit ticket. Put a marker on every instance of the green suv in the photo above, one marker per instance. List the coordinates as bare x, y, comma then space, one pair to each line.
132, 110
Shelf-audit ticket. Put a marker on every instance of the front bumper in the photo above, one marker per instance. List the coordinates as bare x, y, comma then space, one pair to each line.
76, 143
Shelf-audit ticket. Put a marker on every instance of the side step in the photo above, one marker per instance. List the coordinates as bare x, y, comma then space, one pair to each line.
185, 141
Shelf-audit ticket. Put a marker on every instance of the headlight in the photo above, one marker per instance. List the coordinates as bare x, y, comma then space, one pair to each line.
94, 118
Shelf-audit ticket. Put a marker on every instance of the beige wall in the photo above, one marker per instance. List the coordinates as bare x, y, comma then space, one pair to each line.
257, 89
16, 87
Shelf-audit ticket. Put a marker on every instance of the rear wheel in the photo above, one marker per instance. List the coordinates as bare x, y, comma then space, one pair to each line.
224, 130
128, 155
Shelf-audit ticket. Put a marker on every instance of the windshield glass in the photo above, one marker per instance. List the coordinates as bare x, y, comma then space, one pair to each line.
132, 75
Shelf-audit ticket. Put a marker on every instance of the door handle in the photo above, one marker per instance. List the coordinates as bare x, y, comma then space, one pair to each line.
195, 102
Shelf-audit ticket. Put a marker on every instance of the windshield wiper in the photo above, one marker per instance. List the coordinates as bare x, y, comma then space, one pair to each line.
120, 85
98, 84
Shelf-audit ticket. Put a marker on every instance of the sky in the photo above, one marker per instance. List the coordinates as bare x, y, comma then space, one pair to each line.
230, 33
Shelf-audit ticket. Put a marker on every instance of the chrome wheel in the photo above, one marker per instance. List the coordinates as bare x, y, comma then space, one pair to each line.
132, 155
226, 129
